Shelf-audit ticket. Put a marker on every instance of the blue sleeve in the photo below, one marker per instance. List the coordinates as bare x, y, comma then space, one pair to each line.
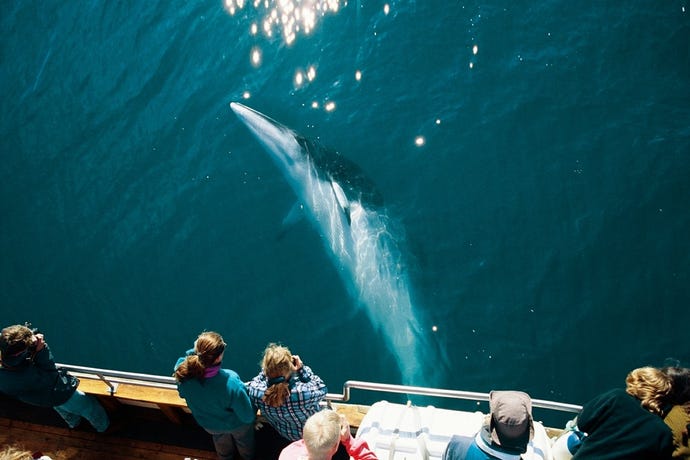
457, 448
312, 387
240, 403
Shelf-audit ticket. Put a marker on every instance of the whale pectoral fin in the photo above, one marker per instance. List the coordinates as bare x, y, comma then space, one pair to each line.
295, 215
343, 202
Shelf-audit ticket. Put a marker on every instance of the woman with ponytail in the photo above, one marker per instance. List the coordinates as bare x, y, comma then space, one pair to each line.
286, 391
217, 397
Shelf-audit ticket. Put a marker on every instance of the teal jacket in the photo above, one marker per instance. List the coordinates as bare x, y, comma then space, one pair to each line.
219, 403
37, 381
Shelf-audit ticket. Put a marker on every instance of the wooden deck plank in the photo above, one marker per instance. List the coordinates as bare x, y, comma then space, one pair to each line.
127, 391
66, 444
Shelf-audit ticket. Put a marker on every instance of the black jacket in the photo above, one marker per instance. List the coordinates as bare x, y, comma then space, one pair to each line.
618, 427
38, 381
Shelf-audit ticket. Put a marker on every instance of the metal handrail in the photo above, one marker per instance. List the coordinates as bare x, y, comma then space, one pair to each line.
440, 393
112, 378
149, 378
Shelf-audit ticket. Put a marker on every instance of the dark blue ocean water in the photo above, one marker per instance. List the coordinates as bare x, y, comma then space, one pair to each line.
544, 218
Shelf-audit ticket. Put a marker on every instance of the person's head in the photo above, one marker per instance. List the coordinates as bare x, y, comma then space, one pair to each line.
16, 344
651, 386
321, 434
277, 365
208, 351
510, 422
680, 384
15, 453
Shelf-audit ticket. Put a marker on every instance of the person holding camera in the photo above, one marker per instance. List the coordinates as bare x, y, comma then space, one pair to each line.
28, 373
286, 391
324, 432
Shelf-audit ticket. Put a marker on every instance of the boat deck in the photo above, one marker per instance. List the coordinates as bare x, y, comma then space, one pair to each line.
150, 421
137, 433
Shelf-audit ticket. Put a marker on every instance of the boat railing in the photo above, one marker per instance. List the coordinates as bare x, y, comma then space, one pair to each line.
113, 378
439, 393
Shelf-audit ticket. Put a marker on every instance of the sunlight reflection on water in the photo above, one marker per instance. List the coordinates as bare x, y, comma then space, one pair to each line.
286, 17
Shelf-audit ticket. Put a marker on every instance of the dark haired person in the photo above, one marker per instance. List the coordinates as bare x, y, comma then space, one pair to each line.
28, 373
217, 397
677, 416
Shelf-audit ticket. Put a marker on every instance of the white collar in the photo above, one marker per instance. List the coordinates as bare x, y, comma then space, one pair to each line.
487, 449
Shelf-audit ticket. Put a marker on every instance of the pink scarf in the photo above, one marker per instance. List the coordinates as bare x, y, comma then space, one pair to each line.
211, 371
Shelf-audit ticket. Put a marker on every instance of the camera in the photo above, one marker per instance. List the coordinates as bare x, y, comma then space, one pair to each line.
34, 343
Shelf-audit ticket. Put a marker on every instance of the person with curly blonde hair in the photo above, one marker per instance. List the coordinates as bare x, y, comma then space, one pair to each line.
217, 397
286, 391
19, 453
651, 386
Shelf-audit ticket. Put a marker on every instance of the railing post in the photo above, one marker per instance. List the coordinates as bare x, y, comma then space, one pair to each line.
112, 387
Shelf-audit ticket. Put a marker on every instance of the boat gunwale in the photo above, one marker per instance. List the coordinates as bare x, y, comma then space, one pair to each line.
111, 377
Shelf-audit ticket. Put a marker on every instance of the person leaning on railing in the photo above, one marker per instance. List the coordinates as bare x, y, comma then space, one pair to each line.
626, 424
286, 391
28, 373
216, 397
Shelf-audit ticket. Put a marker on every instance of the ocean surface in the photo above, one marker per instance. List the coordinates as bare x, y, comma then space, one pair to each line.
533, 158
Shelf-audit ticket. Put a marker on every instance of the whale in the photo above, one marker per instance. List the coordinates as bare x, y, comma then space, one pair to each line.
348, 212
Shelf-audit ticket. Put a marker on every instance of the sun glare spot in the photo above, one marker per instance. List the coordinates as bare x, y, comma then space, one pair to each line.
358, 75
311, 73
419, 141
256, 57
475, 49
246, 95
330, 106
299, 78
386, 9
314, 105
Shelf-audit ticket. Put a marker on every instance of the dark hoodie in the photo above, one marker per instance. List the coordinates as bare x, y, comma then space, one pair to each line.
37, 381
618, 427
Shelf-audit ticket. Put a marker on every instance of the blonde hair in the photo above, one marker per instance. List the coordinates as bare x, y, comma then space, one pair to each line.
15, 453
651, 386
277, 362
321, 434
207, 348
